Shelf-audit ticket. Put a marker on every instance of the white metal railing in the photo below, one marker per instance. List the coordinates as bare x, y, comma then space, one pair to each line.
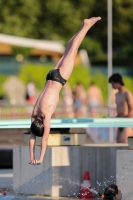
8, 111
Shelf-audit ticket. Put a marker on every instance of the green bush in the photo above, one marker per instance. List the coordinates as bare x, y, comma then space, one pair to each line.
35, 73
3, 78
80, 74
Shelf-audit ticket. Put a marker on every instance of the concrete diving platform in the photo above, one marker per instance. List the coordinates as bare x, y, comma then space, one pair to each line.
62, 171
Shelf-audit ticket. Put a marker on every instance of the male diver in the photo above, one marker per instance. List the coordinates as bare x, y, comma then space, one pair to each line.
48, 99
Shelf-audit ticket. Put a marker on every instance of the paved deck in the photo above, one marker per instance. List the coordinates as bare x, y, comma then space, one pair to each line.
6, 178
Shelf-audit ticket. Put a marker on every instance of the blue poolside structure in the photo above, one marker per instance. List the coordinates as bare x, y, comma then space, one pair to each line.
71, 123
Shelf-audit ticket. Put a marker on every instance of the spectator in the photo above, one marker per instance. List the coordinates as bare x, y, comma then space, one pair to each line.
124, 106
94, 99
68, 100
79, 100
3, 99
30, 93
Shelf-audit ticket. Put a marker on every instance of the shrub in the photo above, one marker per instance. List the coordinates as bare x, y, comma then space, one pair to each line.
3, 78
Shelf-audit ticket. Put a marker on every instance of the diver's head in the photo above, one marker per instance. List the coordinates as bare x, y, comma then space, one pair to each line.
37, 127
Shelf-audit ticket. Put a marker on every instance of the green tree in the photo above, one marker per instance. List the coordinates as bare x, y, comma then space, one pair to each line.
19, 17
122, 22
123, 31
52, 20
61, 19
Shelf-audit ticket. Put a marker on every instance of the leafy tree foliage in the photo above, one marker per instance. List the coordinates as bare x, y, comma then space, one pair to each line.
53, 20
122, 22
59, 20
3, 78
19, 17
123, 30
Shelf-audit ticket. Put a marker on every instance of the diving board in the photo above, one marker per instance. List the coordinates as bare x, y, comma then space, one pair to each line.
71, 123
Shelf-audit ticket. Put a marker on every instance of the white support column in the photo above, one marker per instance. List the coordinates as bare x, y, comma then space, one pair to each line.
110, 60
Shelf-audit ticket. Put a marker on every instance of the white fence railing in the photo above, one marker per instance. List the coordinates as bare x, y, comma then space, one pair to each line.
8, 111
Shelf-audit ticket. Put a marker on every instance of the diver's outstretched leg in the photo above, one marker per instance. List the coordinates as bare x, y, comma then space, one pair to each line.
66, 63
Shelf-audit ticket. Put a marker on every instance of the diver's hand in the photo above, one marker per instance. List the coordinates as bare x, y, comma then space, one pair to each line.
35, 162
32, 162
38, 162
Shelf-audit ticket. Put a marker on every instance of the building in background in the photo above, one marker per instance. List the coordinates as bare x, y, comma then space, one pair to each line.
40, 52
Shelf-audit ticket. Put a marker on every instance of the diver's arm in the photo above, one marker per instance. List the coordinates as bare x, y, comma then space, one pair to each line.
44, 138
32, 148
32, 142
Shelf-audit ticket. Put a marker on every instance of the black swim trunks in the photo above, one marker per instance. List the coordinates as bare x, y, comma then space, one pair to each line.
121, 129
54, 75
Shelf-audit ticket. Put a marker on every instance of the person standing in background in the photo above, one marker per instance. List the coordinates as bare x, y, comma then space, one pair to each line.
68, 100
79, 94
94, 99
124, 106
31, 93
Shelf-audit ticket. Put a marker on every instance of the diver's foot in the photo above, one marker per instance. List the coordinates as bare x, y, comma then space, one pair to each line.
90, 22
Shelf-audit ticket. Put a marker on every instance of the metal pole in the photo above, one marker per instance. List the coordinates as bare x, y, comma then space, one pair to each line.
110, 60
109, 47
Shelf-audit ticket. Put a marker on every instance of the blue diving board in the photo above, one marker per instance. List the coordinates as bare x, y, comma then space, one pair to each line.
71, 123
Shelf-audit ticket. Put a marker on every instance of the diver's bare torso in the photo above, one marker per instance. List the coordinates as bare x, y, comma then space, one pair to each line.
47, 101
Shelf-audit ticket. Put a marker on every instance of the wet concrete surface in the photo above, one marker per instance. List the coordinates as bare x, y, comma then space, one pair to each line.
6, 178
38, 198
6, 186
12, 197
